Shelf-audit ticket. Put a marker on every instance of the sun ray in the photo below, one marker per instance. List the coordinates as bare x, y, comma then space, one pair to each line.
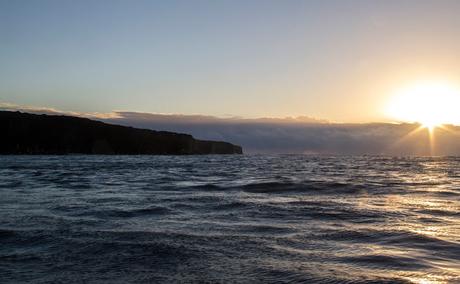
431, 138
410, 134
449, 129
431, 104
406, 137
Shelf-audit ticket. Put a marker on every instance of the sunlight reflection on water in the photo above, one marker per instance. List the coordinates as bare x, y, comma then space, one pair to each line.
244, 218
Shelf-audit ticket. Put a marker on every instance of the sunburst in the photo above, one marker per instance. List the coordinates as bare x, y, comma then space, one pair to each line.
431, 104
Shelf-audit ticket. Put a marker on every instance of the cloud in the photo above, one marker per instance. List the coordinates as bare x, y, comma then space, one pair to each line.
303, 135
289, 135
52, 111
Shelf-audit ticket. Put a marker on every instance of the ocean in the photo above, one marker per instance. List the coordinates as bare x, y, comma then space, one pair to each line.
229, 219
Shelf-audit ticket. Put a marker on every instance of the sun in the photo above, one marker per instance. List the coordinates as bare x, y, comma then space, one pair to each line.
431, 104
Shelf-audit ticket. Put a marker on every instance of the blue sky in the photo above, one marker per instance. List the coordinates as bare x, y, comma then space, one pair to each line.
336, 60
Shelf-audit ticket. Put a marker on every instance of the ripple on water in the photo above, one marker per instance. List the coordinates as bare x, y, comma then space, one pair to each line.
221, 219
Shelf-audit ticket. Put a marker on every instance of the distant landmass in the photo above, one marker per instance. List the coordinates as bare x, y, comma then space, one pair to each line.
24, 133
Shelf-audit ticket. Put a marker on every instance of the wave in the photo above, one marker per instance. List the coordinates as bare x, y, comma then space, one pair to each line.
381, 261
251, 219
304, 186
119, 213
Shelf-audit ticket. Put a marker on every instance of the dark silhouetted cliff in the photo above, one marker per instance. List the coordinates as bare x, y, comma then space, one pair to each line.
23, 133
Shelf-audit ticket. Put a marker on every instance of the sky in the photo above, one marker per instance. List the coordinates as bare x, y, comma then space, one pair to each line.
334, 60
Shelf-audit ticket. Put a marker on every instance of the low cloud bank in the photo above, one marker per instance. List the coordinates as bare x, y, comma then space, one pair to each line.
290, 135
304, 135
52, 111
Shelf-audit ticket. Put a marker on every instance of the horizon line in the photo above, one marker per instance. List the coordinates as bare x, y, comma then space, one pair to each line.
118, 114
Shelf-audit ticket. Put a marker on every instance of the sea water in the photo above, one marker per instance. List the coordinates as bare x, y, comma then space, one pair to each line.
237, 218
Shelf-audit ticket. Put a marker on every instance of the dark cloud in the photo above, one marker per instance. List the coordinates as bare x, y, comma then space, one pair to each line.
290, 135
304, 135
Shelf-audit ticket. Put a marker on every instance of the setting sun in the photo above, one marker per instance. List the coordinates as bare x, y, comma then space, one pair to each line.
429, 103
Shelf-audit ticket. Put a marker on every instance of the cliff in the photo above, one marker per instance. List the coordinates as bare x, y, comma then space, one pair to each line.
24, 133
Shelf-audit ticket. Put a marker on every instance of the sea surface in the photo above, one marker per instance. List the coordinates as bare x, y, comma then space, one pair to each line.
229, 219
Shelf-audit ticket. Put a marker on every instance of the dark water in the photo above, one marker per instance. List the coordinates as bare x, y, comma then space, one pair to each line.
243, 219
